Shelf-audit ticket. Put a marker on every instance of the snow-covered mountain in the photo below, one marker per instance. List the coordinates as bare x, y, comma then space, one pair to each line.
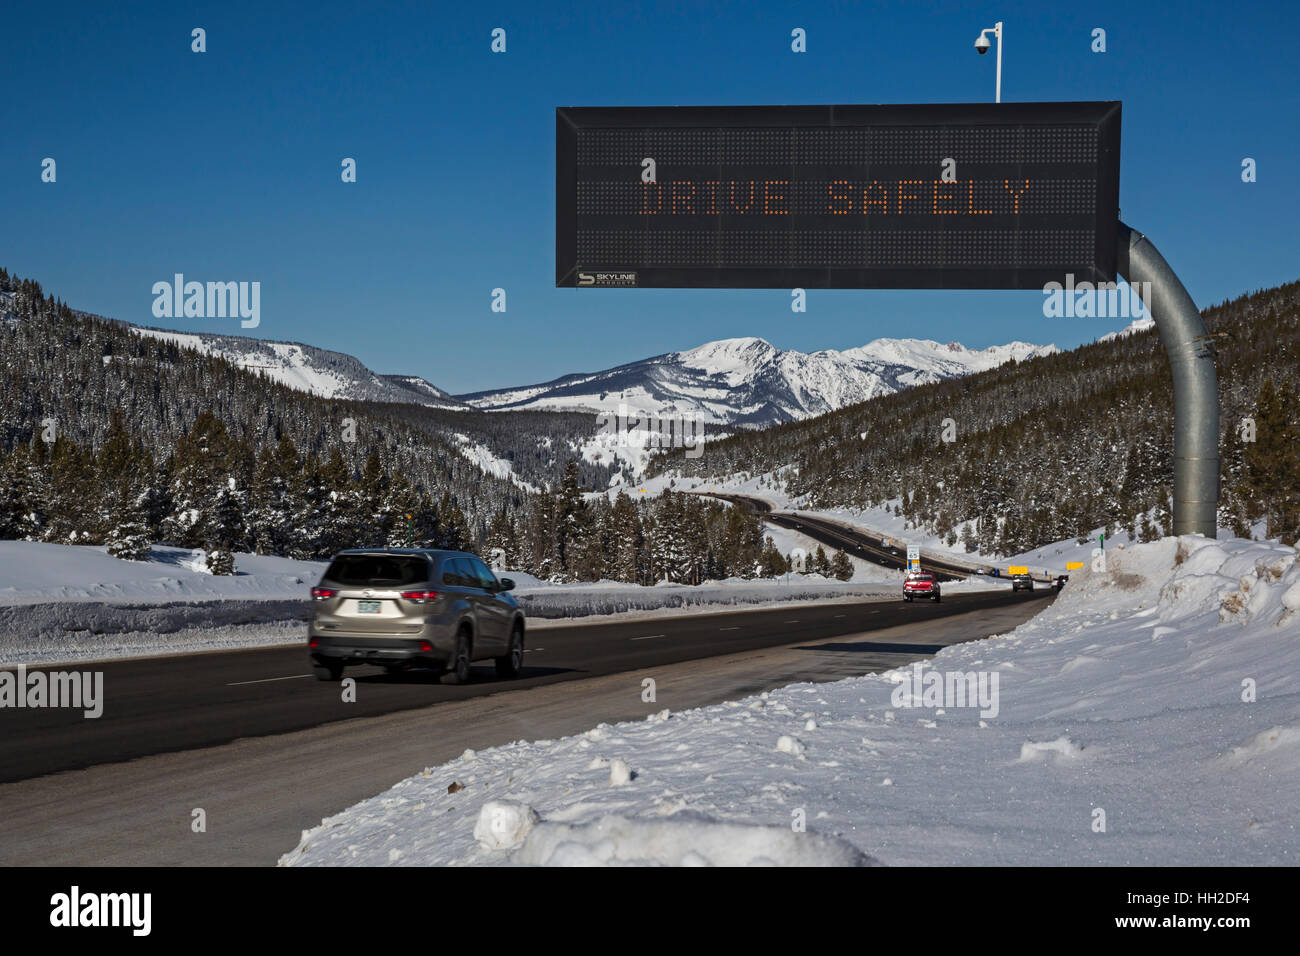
748, 381
309, 369
742, 381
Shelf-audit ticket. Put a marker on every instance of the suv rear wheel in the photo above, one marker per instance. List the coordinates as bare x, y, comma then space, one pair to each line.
513, 662
458, 667
329, 672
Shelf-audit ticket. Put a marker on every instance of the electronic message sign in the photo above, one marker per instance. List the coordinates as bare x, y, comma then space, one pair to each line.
941, 196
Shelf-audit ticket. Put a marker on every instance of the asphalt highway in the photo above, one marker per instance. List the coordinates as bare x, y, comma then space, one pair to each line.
266, 751
160, 705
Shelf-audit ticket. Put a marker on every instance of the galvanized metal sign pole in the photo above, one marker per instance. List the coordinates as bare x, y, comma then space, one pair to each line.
1196, 385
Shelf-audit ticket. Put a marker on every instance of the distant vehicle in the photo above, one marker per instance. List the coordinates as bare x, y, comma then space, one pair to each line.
1059, 583
921, 584
1022, 582
399, 608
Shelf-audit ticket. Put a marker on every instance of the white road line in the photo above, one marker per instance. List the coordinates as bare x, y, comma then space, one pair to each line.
841, 615
736, 628
795, 621
529, 650
648, 637
267, 680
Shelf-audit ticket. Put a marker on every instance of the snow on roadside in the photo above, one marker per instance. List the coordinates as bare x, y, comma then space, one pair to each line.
34, 572
1149, 715
541, 599
64, 603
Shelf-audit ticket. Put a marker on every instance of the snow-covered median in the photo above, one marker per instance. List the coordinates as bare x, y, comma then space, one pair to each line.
64, 603
541, 599
32, 572
1150, 715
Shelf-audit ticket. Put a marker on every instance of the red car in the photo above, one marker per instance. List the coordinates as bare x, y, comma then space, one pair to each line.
919, 584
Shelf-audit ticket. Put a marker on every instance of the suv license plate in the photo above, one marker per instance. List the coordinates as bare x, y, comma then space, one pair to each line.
369, 607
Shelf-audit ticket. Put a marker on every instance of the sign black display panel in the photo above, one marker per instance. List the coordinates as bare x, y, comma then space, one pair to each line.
934, 196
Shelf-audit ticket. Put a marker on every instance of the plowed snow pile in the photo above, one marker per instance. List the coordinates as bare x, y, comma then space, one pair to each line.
1151, 715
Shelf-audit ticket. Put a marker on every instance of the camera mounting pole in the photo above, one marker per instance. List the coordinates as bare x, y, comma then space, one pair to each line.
982, 46
1196, 389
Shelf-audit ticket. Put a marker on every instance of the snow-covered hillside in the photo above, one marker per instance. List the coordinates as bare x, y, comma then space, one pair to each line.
306, 368
1147, 717
749, 381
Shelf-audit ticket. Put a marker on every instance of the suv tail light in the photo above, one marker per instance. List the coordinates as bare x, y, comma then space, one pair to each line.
420, 597
321, 594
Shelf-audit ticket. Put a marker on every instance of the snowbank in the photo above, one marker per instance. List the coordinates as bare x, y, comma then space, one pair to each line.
1148, 716
32, 572
541, 599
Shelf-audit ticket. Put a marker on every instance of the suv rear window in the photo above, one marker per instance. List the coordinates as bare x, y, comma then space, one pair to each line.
378, 570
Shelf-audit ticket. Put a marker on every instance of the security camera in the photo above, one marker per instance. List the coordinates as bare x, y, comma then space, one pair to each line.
982, 45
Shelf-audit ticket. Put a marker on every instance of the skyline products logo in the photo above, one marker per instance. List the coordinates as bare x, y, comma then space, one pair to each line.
79, 690
1096, 300
76, 909
623, 280
212, 300
933, 689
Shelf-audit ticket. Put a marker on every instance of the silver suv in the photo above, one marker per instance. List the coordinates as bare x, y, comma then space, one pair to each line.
399, 608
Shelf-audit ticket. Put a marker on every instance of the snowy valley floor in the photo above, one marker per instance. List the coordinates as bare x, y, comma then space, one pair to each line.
1149, 716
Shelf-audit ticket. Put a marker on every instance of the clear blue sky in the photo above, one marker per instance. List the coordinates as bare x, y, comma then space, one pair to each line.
225, 165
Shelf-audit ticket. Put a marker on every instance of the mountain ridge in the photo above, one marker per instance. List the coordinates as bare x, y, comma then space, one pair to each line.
749, 381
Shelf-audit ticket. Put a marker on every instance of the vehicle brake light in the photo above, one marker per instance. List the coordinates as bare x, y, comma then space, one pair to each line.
313, 642
426, 646
420, 597
320, 594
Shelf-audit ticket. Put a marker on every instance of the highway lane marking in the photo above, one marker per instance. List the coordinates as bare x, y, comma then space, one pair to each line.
736, 628
841, 615
648, 637
267, 680
529, 650
795, 621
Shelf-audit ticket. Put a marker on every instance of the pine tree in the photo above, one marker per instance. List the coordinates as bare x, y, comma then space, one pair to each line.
225, 527
70, 486
773, 563
21, 498
220, 561
821, 564
628, 541
1273, 462
570, 525
841, 567
500, 547
272, 511
128, 539
453, 533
